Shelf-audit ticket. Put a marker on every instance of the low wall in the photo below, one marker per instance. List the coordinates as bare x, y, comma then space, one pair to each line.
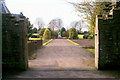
32, 47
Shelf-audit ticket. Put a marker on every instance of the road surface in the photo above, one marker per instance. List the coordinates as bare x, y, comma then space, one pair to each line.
62, 59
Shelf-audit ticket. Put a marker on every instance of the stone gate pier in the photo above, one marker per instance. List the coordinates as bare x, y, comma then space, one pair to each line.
107, 40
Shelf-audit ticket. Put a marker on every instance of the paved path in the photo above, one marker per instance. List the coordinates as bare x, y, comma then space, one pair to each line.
62, 59
61, 54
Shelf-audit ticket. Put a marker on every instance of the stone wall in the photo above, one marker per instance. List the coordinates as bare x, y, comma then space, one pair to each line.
32, 48
107, 54
14, 42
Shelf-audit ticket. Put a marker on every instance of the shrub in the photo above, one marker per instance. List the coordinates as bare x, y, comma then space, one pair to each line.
88, 36
85, 36
47, 34
54, 34
73, 34
65, 34
41, 32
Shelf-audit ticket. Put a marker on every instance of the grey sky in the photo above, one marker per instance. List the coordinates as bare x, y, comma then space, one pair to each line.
45, 9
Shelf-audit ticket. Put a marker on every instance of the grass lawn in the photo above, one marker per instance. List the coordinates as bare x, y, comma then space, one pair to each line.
80, 36
91, 50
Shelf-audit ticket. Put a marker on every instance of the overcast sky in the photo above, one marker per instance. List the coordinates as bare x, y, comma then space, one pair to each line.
45, 9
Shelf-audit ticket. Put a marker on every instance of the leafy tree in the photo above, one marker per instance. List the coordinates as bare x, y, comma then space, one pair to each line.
72, 33
63, 29
47, 34
50, 29
34, 30
90, 10
64, 33
30, 29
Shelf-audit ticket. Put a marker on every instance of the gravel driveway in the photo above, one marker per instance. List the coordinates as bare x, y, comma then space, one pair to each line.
62, 59
61, 54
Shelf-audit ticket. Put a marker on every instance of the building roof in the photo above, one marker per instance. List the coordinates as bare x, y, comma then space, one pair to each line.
17, 16
3, 7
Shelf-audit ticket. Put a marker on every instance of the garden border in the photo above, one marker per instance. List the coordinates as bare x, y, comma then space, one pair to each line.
44, 44
77, 45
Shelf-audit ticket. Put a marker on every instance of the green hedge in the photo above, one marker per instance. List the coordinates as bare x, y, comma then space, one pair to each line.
73, 33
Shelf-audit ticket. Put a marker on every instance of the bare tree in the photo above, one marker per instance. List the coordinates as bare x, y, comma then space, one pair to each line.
76, 25
59, 23
55, 23
52, 24
40, 23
